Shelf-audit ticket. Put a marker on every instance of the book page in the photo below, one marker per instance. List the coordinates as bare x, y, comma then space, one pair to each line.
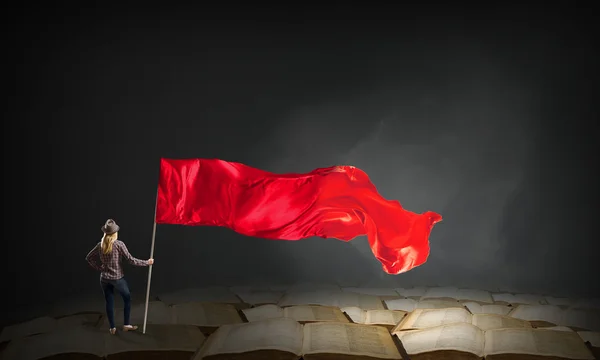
313, 286
491, 321
205, 314
401, 304
365, 302
384, 317
536, 342
67, 340
412, 292
448, 292
356, 314
581, 319
35, 326
460, 337
263, 312
386, 292
593, 337
401, 334
504, 298
530, 299
559, 301
496, 309
473, 307
321, 297
550, 313
424, 318
75, 320
215, 294
158, 313
314, 313
556, 328
259, 297
351, 339
480, 296
438, 304
273, 334
186, 338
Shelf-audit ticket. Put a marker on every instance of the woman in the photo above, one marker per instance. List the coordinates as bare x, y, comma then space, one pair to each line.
109, 252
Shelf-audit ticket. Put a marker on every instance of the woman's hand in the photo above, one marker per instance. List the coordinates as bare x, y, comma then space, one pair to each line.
150, 261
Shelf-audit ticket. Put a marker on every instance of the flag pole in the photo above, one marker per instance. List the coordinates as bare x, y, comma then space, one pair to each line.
150, 267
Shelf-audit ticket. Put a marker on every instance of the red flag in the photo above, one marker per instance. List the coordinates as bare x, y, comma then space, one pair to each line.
335, 202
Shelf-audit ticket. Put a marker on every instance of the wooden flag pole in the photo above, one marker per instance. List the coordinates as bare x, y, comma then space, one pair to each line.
150, 267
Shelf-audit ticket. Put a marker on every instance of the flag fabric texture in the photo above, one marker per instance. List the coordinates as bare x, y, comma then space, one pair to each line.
335, 202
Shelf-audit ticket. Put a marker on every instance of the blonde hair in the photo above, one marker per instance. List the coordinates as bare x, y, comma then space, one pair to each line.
107, 242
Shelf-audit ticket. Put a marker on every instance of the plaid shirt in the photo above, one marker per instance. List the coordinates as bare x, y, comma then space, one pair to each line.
110, 264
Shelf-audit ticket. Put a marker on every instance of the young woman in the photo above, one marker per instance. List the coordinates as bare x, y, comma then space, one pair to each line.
106, 257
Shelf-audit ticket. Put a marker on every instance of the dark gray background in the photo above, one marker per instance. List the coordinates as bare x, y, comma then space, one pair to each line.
485, 115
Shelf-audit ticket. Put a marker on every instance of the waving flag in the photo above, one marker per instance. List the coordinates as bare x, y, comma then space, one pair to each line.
335, 202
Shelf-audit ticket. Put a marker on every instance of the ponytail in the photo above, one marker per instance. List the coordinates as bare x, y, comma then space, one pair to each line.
107, 242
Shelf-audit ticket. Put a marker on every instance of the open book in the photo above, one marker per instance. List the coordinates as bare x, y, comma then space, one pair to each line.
401, 304
284, 338
592, 338
48, 324
207, 316
551, 315
158, 313
387, 318
466, 341
411, 304
383, 293
547, 343
518, 299
160, 341
331, 298
213, 294
300, 313
458, 294
498, 309
539, 315
426, 318
259, 297
414, 293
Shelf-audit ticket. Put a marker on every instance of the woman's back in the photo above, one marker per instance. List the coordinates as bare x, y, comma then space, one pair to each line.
112, 268
106, 258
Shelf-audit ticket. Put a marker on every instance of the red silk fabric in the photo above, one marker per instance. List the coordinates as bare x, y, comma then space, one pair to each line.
336, 202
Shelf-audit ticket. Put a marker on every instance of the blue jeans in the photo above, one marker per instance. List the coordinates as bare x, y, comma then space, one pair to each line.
108, 287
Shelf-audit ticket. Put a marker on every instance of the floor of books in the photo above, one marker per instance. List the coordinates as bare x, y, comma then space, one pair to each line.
313, 322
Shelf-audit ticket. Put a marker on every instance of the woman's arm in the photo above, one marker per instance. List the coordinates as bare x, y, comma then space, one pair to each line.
92, 258
131, 259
